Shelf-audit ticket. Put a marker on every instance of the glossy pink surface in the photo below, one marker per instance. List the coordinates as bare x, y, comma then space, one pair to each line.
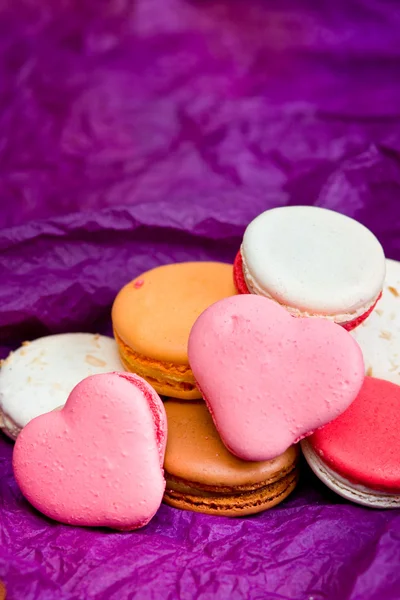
270, 379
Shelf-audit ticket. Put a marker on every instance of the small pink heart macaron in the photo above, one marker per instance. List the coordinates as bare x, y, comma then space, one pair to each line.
313, 261
99, 460
269, 379
358, 454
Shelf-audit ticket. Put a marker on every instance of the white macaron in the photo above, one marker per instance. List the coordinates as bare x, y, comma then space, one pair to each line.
39, 376
314, 262
379, 335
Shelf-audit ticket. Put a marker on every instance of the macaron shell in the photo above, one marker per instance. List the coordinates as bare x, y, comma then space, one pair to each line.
270, 379
314, 260
195, 452
98, 461
363, 444
154, 313
379, 335
39, 376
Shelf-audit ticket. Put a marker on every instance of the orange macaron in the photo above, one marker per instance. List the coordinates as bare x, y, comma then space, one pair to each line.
152, 317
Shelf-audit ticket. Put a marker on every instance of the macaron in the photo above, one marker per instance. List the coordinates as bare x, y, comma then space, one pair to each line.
312, 261
97, 462
379, 335
153, 315
268, 379
203, 476
39, 376
3, 591
358, 454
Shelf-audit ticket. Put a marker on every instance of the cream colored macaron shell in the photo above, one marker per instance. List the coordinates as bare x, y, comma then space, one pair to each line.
39, 376
313, 261
379, 335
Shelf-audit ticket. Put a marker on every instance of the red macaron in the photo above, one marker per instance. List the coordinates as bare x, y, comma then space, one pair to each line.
358, 454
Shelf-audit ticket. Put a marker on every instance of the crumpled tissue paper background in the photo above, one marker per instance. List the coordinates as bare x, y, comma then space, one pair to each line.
136, 133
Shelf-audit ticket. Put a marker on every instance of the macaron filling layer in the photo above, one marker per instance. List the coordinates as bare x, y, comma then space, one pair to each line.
245, 283
355, 492
167, 378
194, 496
7, 424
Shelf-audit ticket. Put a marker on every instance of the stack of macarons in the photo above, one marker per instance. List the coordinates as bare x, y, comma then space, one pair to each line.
210, 384
153, 317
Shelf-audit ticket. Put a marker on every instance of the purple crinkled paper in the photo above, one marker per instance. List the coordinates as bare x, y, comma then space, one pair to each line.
134, 134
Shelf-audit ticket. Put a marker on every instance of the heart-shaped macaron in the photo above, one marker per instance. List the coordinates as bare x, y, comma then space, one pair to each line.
98, 461
270, 379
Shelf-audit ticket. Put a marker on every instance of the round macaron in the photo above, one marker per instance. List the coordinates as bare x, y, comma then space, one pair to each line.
379, 335
314, 262
38, 377
153, 315
358, 454
97, 462
203, 476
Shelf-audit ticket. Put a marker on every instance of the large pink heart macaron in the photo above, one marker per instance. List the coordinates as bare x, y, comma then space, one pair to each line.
98, 461
270, 379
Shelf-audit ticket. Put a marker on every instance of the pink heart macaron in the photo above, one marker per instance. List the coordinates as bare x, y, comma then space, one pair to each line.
99, 460
358, 454
269, 379
314, 262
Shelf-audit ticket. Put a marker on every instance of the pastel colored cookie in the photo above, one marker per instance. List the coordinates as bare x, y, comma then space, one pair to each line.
3, 591
152, 317
269, 379
358, 454
203, 476
314, 262
379, 335
97, 461
38, 377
